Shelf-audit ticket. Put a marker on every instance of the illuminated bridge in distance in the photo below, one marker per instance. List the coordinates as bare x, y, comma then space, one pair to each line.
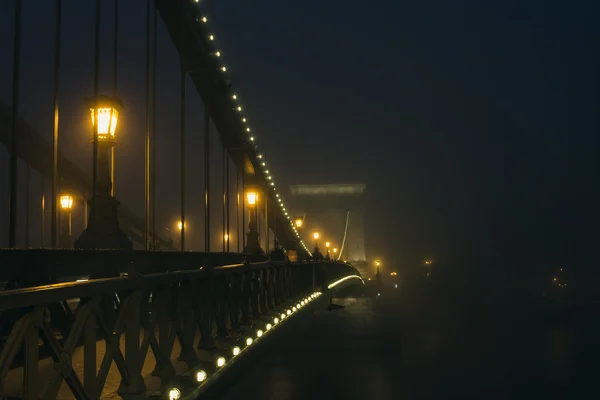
336, 212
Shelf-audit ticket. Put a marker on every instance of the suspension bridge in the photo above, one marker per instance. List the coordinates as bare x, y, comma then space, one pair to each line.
100, 300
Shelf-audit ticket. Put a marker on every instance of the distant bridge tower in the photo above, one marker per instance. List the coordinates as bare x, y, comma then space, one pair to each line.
336, 211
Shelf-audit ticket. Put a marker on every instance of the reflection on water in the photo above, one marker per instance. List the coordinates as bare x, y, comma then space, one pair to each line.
411, 347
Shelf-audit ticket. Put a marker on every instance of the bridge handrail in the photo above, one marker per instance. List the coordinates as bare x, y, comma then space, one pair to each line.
193, 305
43, 294
42, 266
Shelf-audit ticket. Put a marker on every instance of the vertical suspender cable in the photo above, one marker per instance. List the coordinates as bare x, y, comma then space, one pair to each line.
182, 156
54, 211
147, 136
237, 219
12, 224
224, 196
42, 220
227, 196
115, 63
153, 138
206, 180
267, 223
243, 203
27, 180
95, 129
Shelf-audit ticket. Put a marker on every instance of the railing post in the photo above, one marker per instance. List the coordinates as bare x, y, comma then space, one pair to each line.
31, 344
236, 294
89, 354
271, 288
136, 383
223, 307
264, 283
246, 296
255, 294
186, 325
276, 287
314, 276
162, 302
205, 319
283, 283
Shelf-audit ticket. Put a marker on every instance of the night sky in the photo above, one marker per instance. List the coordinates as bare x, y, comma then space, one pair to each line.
474, 124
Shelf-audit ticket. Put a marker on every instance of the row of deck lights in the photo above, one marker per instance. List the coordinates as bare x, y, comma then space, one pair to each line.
202, 376
251, 137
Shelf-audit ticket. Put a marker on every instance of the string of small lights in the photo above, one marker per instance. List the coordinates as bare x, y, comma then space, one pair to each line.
175, 393
237, 107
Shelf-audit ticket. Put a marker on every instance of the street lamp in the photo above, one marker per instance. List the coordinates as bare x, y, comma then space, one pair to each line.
107, 110
66, 202
377, 274
252, 239
298, 223
66, 205
316, 252
252, 198
103, 231
316, 237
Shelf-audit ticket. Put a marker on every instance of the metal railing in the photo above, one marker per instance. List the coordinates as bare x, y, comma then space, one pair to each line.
139, 308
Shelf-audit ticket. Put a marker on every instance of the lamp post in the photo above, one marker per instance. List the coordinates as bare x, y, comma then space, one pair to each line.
252, 239
377, 274
103, 231
316, 236
226, 240
181, 226
316, 253
66, 205
298, 222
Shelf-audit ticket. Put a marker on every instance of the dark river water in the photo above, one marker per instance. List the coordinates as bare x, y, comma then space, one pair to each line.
419, 346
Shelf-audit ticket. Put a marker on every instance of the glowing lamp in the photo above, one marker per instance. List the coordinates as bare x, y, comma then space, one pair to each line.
327, 244
105, 110
66, 202
316, 235
201, 376
174, 394
252, 198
